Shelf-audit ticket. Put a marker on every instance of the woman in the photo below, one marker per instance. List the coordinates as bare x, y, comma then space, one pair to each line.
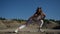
37, 17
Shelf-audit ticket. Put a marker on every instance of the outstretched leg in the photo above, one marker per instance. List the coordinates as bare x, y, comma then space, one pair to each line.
25, 25
19, 28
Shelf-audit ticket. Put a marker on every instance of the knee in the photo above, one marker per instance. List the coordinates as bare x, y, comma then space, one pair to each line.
42, 21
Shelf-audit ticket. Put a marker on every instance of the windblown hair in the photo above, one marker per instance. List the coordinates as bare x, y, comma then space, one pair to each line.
37, 11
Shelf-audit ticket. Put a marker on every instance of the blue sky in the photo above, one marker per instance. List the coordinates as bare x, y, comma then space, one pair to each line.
23, 9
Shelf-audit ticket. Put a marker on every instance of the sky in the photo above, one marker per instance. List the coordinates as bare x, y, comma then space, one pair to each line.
23, 9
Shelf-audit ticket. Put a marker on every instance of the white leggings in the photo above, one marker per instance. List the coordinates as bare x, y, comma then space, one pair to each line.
41, 23
22, 26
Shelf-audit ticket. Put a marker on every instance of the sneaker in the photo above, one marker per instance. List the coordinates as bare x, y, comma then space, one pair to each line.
16, 31
41, 30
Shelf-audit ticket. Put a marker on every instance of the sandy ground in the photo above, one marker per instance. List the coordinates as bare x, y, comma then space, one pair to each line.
8, 27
